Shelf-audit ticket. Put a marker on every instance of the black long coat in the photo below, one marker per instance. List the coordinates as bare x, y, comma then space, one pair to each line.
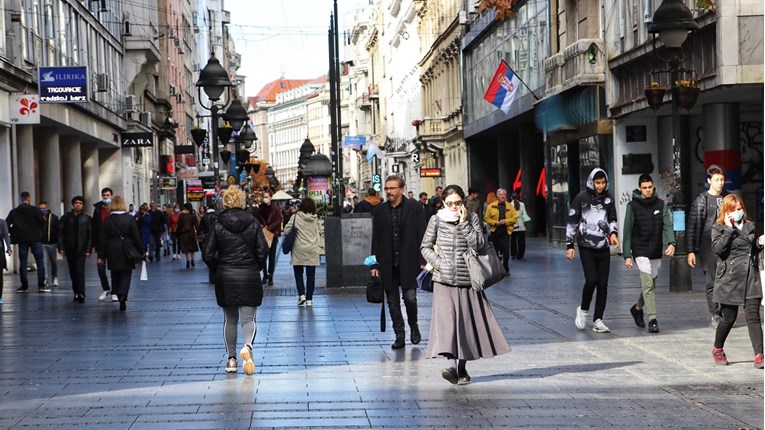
736, 276
236, 250
413, 225
110, 243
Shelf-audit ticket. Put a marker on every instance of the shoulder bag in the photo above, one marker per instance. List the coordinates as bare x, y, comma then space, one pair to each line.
132, 254
289, 239
485, 267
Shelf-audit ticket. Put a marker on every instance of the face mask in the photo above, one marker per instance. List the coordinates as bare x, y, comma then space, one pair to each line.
177, 210
737, 216
107, 201
44, 211
266, 201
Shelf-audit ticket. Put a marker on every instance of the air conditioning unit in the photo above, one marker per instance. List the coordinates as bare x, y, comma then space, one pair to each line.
145, 118
102, 82
130, 103
173, 90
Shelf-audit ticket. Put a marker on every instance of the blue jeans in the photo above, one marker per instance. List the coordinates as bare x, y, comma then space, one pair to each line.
310, 272
39, 260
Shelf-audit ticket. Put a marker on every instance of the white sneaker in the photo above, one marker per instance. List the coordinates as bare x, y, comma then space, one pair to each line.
104, 295
599, 327
309, 302
115, 298
301, 300
581, 318
55, 282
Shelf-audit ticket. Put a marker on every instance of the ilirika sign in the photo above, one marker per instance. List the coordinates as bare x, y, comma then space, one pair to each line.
430, 172
63, 84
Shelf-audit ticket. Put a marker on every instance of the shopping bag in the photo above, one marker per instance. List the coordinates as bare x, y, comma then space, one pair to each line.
144, 274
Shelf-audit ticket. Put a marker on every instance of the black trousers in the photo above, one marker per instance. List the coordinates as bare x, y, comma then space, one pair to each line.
102, 275
271, 259
729, 314
501, 241
76, 263
518, 244
157, 241
597, 265
394, 304
121, 283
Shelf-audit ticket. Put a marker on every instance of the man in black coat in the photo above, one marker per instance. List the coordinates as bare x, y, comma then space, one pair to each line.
397, 229
75, 243
100, 213
25, 223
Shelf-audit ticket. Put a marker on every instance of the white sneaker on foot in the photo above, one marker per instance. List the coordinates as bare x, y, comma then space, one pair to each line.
55, 282
104, 295
581, 318
301, 300
309, 302
599, 327
248, 366
115, 298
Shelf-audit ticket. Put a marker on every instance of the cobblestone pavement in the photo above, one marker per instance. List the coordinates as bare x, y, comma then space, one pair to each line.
160, 364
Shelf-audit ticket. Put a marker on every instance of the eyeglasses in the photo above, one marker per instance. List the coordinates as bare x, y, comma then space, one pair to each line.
391, 188
458, 203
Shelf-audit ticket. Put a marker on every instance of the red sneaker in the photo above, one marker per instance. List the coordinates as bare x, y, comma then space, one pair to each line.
719, 355
759, 361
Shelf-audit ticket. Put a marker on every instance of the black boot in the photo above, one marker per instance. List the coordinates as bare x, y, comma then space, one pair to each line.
399, 343
188, 264
416, 337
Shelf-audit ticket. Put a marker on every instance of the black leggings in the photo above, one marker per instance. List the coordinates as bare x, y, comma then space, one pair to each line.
597, 265
729, 314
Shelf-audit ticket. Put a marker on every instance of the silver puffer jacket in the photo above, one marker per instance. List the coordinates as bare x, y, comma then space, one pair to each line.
453, 241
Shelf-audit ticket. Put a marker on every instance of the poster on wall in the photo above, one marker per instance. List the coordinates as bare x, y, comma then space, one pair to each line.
317, 187
25, 109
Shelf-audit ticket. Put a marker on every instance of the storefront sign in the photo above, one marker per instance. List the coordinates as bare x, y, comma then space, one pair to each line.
138, 140
430, 172
63, 84
194, 190
24, 109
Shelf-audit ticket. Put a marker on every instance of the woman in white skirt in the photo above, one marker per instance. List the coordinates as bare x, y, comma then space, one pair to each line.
463, 327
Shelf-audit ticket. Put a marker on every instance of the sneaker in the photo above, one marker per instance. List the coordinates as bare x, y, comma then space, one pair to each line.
22, 289
301, 300
653, 326
80, 298
248, 367
450, 374
115, 298
715, 321
231, 365
581, 318
104, 295
44, 289
637, 315
309, 302
758, 359
55, 282
464, 377
719, 355
599, 327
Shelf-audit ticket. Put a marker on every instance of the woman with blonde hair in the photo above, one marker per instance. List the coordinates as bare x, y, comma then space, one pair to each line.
737, 278
236, 250
119, 226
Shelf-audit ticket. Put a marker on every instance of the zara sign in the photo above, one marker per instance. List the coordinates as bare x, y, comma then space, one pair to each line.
137, 140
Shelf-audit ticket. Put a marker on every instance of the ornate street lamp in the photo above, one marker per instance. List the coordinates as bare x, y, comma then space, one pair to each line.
672, 22
306, 149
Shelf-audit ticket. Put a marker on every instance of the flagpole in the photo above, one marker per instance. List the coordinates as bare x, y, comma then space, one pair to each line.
520, 80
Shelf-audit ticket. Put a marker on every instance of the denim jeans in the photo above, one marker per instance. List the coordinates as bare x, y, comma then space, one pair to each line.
310, 272
39, 260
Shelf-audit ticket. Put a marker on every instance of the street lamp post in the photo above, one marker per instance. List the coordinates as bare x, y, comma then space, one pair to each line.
672, 22
306, 150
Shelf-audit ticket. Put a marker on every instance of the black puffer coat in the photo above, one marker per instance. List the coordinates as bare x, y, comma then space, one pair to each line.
236, 249
737, 277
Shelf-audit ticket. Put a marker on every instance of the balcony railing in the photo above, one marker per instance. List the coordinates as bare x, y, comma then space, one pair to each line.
579, 64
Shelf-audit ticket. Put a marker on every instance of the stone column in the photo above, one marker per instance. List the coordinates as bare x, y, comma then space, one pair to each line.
26, 161
110, 170
721, 141
72, 162
50, 170
90, 188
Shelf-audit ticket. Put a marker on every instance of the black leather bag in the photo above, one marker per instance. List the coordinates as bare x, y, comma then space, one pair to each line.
132, 254
485, 267
425, 280
375, 293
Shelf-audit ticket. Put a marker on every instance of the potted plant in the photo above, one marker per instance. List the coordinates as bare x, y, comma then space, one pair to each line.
654, 95
686, 92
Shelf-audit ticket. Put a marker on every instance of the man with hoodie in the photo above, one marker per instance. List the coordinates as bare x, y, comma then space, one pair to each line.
25, 223
593, 214
369, 203
100, 213
645, 218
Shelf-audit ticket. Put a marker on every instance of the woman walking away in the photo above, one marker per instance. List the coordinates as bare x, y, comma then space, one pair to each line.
518, 237
5, 248
143, 220
463, 327
236, 250
737, 278
187, 233
119, 226
309, 244
172, 229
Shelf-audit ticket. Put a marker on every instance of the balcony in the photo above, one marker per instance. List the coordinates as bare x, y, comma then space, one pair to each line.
373, 92
582, 63
440, 128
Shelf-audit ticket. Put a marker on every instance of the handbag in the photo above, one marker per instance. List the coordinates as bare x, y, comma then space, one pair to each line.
525, 217
485, 267
289, 239
375, 293
425, 280
132, 254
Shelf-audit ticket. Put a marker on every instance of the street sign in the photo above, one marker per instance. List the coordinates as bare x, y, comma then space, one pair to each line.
377, 182
430, 172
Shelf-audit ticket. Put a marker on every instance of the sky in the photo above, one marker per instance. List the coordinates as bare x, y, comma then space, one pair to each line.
284, 37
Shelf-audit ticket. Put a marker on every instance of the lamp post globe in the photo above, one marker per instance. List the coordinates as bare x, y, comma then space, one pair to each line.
672, 21
306, 150
236, 114
246, 136
213, 79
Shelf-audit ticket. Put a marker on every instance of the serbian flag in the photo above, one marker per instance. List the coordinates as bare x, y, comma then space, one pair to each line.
502, 89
